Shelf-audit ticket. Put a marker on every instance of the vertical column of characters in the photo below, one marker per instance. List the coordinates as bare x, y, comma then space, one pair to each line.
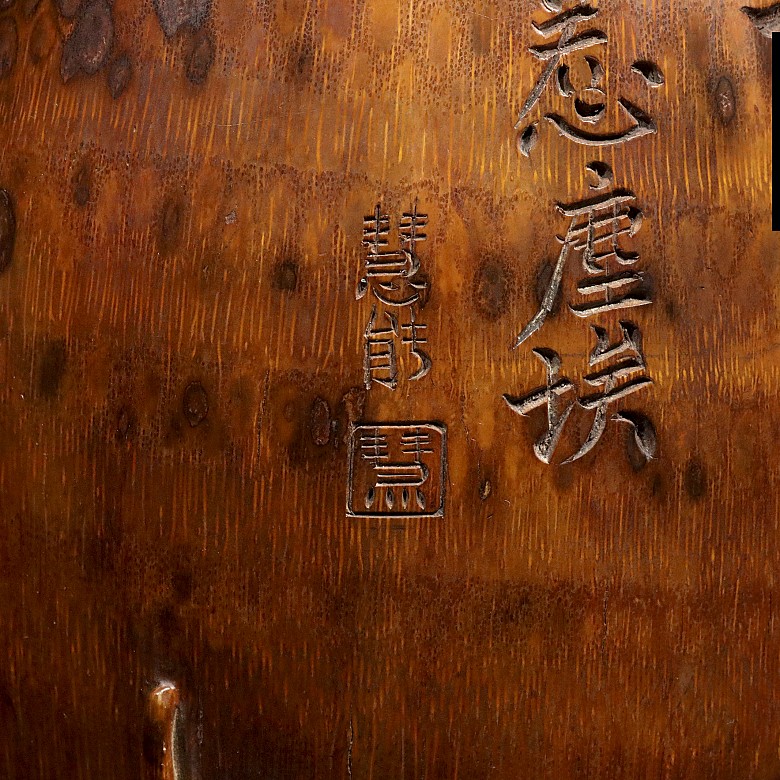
395, 469
612, 284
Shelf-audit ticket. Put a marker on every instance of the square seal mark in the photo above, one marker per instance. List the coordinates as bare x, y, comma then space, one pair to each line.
397, 470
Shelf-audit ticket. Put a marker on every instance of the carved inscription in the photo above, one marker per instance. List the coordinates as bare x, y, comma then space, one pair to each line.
391, 277
597, 240
397, 470
620, 370
595, 229
572, 50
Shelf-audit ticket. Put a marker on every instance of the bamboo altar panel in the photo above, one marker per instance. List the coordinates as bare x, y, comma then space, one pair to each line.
389, 390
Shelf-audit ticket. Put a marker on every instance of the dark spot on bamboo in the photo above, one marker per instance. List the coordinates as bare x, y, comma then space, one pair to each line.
301, 63
512, 606
491, 289
29, 7
319, 422
167, 625
119, 74
82, 184
7, 230
563, 478
285, 276
288, 412
41, 39
658, 486
174, 433
88, 46
102, 550
53, 366
201, 59
125, 424
725, 100
174, 14
152, 743
195, 404
68, 8
695, 479
9, 43
181, 585
5, 4
171, 223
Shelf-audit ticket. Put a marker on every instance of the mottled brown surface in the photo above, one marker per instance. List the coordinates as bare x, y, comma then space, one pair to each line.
180, 359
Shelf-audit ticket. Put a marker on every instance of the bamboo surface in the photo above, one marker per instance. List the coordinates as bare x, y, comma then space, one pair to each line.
181, 356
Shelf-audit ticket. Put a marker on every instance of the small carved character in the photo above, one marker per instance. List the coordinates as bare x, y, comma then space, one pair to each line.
399, 480
388, 270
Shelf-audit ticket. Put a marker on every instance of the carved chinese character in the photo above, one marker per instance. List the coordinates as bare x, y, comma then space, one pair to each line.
624, 377
595, 228
620, 371
548, 395
565, 24
379, 357
588, 100
397, 470
380, 360
414, 339
390, 273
